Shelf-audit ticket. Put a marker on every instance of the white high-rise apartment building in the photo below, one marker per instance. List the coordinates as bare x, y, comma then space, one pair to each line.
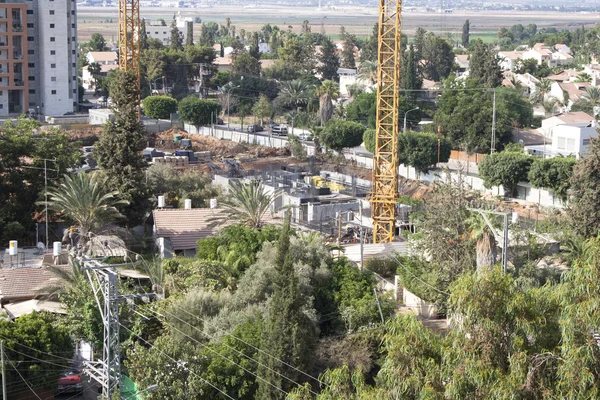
38, 56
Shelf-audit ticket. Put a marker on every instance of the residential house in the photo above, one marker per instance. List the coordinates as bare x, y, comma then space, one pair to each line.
562, 48
156, 30
102, 57
509, 59
593, 70
462, 61
568, 93
88, 81
540, 54
565, 134
177, 231
572, 140
566, 75
559, 59
223, 64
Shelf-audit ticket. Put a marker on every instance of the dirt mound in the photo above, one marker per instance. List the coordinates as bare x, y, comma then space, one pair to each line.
87, 136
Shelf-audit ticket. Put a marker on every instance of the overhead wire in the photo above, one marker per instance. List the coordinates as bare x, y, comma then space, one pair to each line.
175, 361
29, 386
218, 354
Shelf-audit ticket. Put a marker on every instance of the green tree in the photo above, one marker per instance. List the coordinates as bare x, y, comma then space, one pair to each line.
198, 112
30, 343
176, 42
506, 169
465, 34
248, 203
363, 109
262, 109
289, 334
329, 62
326, 92
94, 70
585, 193
296, 93
370, 50
440, 58
410, 80
97, 42
485, 241
589, 101
143, 35
339, 134
118, 151
159, 107
554, 174
419, 43
189, 37
484, 65
541, 91
245, 64
347, 59
420, 150
85, 200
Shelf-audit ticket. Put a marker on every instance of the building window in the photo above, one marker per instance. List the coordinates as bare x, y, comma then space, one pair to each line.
30, 38
74, 90
1, 92
31, 65
72, 25
30, 25
74, 78
73, 52
31, 78
52, 39
53, 79
73, 39
52, 65
571, 145
1, 106
51, 25
31, 91
52, 52
74, 65
53, 92
51, 12
561, 143
31, 52
29, 12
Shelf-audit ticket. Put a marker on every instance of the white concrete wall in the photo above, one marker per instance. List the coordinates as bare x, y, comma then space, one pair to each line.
422, 307
57, 73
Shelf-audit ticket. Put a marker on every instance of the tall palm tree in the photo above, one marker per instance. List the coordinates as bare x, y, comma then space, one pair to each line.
84, 200
368, 71
247, 203
66, 280
296, 93
589, 101
485, 242
327, 92
541, 91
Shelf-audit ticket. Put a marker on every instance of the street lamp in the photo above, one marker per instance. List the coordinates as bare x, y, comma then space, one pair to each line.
154, 82
230, 88
150, 388
405, 114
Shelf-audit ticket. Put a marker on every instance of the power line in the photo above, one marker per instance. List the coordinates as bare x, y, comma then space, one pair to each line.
39, 351
177, 362
239, 352
220, 355
30, 388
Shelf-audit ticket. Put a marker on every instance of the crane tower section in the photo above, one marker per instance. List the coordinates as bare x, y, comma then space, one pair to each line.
129, 39
385, 167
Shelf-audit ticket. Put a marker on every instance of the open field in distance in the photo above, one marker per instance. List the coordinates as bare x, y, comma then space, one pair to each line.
357, 20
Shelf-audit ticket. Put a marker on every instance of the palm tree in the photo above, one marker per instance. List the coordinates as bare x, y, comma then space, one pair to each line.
549, 105
589, 101
247, 203
327, 92
584, 77
66, 280
84, 200
296, 93
485, 242
368, 71
541, 91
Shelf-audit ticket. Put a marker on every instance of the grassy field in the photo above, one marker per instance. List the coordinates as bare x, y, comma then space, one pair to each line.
357, 20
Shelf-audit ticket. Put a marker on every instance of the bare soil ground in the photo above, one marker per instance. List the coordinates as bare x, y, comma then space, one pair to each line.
357, 20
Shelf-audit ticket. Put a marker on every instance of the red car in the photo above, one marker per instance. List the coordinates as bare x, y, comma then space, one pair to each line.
70, 382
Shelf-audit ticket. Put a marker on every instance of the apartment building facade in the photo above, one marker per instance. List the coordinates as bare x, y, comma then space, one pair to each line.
38, 57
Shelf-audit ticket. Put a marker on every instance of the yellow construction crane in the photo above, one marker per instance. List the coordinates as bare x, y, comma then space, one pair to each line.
129, 37
385, 164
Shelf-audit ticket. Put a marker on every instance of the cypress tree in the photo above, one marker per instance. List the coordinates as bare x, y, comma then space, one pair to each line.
465, 33
289, 334
330, 62
410, 79
143, 35
176, 37
189, 39
348, 60
585, 193
118, 151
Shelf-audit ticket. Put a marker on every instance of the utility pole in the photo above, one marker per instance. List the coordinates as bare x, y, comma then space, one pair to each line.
493, 146
362, 261
378, 305
439, 141
339, 240
46, 199
3, 370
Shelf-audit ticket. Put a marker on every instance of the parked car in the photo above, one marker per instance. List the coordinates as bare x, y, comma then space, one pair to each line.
220, 121
69, 113
304, 136
255, 128
279, 130
70, 382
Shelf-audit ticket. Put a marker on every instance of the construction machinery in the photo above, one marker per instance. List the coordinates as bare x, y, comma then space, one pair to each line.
129, 38
385, 166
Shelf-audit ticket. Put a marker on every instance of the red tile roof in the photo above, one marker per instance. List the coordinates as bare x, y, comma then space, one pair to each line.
17, 284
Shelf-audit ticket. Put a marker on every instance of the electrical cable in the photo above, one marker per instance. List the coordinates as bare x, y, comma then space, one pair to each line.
38, 351
175, 361
233, 336
220, 355
32, 391
422, 281
239, 352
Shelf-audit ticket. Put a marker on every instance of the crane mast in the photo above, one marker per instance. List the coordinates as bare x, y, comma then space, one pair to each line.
385, 164
129, 37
